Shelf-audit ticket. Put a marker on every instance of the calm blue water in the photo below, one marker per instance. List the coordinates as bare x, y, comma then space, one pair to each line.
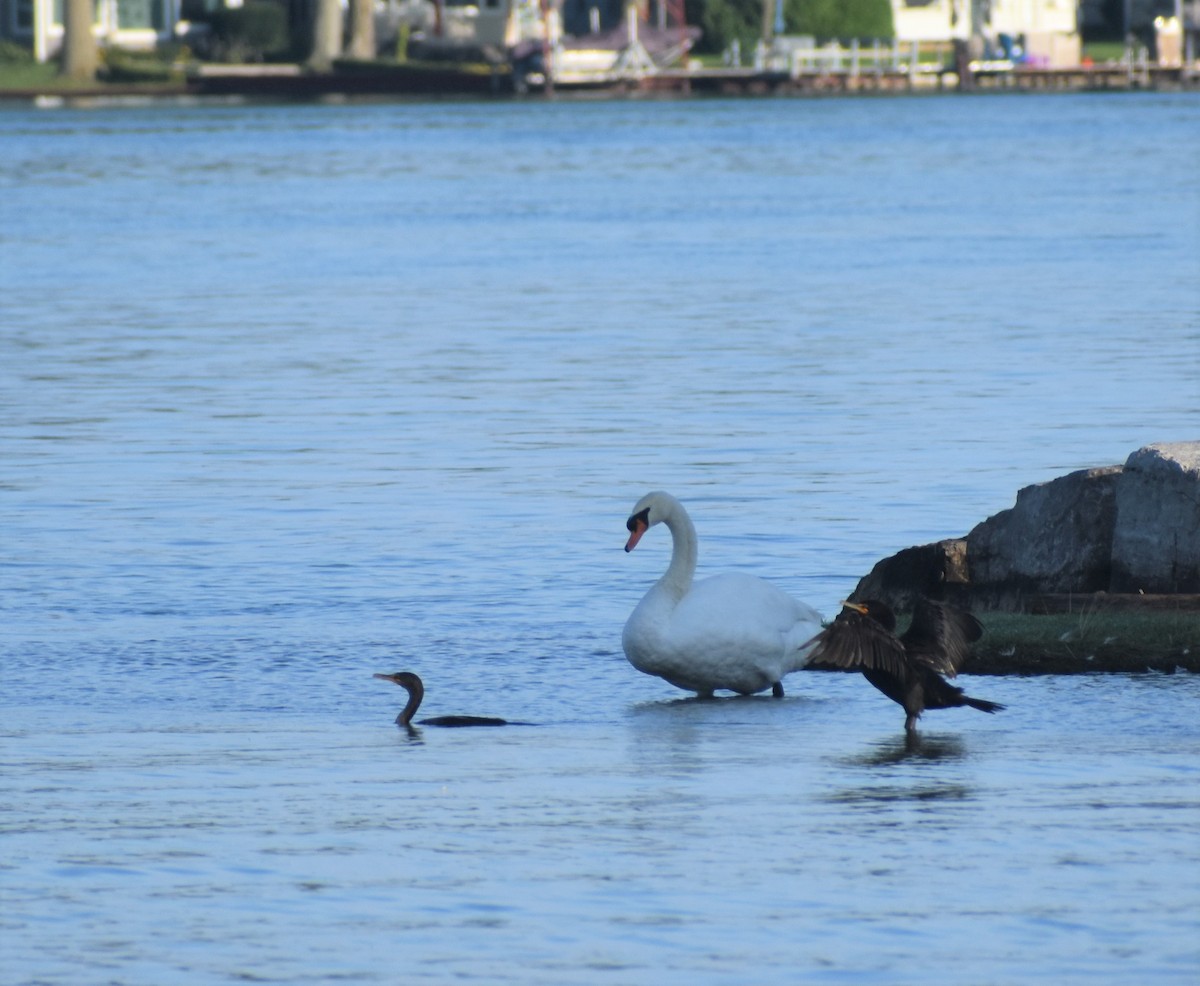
294, 394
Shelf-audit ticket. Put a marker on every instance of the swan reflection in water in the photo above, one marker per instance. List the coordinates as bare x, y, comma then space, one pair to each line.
412, 684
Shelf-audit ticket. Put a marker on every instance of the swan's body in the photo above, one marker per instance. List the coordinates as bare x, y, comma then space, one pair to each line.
907, 669
412, 684
734, 632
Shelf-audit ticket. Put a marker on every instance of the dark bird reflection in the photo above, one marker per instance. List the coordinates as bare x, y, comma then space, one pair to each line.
888, 762
911, 747
895, 794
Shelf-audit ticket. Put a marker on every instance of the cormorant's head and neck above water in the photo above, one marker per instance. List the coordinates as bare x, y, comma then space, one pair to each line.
416, 692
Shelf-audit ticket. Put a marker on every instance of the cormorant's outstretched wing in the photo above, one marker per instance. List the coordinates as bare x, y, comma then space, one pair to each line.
856, 641
940, 636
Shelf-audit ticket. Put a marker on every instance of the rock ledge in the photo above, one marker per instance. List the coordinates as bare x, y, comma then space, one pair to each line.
1099, 542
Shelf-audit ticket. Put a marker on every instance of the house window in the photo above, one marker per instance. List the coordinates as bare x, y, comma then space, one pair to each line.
139, 14
23, 15
132, 15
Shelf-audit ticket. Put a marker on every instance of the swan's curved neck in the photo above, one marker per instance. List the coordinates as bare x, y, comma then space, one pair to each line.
678, 577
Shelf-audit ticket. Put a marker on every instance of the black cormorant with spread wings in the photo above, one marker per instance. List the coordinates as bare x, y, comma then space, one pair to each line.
907, 669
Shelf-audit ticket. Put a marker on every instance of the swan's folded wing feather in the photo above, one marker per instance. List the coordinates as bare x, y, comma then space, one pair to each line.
741, 605
853, 641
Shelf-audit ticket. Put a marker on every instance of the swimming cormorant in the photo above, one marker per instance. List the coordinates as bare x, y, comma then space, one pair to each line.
416, 691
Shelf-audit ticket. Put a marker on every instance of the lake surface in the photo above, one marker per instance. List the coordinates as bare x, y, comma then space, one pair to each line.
295, 394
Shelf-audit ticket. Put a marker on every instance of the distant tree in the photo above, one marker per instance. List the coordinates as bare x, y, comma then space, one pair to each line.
362, 29
327, 35
724, 20
253, 32
78, 56
828, 19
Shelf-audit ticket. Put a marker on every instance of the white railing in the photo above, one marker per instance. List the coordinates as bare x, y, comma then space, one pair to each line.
855, 60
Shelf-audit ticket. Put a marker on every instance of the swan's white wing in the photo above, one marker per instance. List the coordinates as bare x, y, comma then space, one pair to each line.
745, 604
730, 621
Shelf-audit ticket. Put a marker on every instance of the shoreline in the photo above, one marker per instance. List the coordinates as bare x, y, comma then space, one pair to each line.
446, 80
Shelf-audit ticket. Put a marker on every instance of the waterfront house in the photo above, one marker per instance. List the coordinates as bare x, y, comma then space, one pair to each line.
130, 24
1040, 32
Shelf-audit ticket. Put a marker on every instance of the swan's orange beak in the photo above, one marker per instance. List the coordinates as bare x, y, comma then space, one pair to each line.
637, 527
857, 607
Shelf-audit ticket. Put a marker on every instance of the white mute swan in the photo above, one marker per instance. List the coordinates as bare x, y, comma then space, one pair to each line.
733, 631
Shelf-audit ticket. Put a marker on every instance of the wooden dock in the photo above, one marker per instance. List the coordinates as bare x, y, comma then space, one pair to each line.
751, 82
1088, 78
879, 68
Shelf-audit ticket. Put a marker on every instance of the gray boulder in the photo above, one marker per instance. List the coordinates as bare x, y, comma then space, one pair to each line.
1056, 538
1156, 538
1116, 529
